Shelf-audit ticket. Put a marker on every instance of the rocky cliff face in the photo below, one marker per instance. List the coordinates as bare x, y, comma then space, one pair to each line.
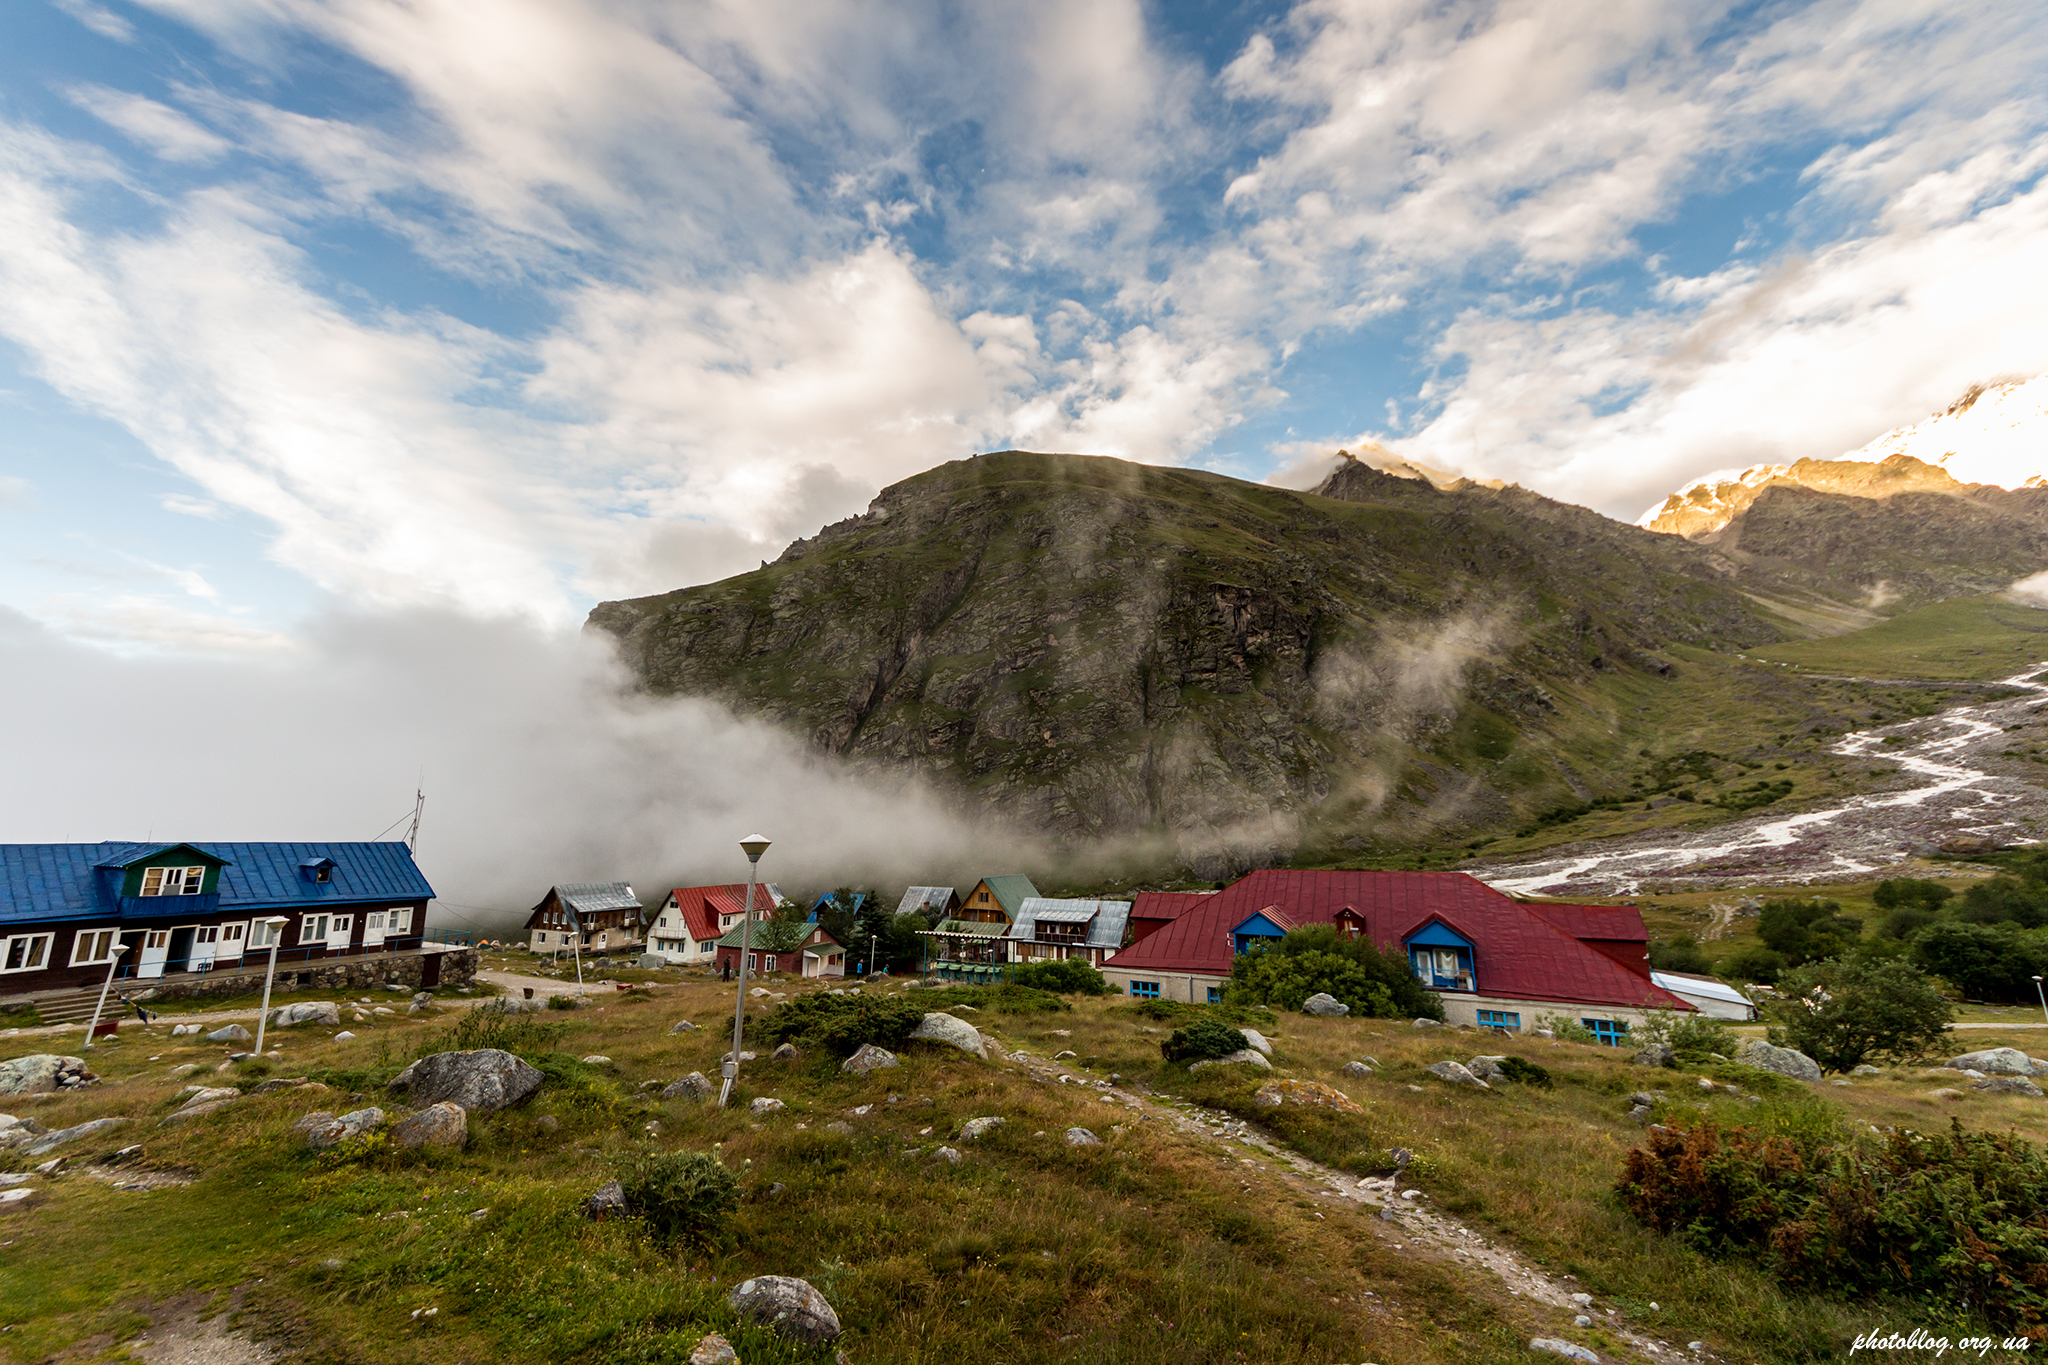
1178, 659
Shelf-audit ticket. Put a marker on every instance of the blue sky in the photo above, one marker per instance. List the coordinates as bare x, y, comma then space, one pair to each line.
310, 305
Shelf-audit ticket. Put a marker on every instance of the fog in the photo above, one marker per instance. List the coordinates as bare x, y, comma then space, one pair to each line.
539, 765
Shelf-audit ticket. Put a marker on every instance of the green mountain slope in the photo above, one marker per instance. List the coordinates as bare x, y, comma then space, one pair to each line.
1206, 667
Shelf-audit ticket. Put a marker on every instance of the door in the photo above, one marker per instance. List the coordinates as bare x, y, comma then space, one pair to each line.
155, 947
205, 947
180, 959
430, 971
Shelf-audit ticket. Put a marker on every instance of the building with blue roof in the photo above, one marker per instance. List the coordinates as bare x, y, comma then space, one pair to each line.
68, 911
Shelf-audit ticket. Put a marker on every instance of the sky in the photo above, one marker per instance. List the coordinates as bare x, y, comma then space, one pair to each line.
343, 311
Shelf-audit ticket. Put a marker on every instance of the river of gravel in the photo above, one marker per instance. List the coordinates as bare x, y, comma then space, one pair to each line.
1951, 782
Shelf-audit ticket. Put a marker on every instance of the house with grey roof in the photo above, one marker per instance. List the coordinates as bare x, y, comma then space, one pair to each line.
933, 902
1050, 930
589, 917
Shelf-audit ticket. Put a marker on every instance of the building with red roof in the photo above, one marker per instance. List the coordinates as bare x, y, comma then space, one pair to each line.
690, 922
1154, 910
1494, 961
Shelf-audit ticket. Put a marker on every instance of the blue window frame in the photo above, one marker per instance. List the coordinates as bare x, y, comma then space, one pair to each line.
1442, 969
1499, 1019
1215, 995
1610, 1032
1144, 990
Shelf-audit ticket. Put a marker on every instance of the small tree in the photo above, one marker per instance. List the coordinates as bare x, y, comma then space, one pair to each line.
1319, 959
1679, 953
1844, 1012
1983, 961
1807, 931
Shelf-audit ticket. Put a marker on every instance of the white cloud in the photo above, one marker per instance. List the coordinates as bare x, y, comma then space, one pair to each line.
99, 19
170, 134
15, 495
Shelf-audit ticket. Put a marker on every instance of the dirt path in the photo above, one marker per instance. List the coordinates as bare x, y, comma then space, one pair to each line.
1409, 1222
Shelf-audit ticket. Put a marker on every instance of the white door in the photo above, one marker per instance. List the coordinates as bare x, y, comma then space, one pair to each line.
373, 930
338, 929
205, 947
156, 946
232, 939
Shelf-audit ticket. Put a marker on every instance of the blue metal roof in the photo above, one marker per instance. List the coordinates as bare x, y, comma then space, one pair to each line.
72, 881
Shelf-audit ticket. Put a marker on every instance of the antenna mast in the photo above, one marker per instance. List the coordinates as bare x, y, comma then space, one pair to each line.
419, 804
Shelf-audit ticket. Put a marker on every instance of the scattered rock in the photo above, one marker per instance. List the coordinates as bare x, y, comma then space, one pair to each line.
1062, 1056
1429, 1023
947, 1154
1323, 1005
713, 1350
758, 992
2002, 1061
445, 1124
180, 1030
272, 1086
1081, 1137
1946, 1094
1656, 1054
231, 1033
841, 1127
973, 1129
1359, 1069
343, 1036
1543, 1033
1582, 1321
1253, 1039
1243, 1056
944, 1028
1456, 1074
1563, 1348
49, 1141
766, 1104
209, 1094
695, 1086
2008, 1085
1486, 1068
787, 1306
683, 1026
323, 1130
1866, 1069
597, 1059
1582, 1300
1783, 1060
306, 1012
483, 1081
608, 1201
1313, 1094
786, 1053
744, 1056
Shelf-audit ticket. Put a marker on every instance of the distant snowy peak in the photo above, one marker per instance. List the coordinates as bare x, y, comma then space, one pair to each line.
1994, 434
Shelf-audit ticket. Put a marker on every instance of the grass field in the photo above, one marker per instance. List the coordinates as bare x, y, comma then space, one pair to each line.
1155, 1246
1963, 638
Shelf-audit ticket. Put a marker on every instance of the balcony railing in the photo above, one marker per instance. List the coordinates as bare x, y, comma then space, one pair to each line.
256, 960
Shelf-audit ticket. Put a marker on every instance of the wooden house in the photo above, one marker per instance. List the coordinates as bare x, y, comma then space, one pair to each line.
1049, 930
689, 923
972, 944
935, 903
799, 949
587, 917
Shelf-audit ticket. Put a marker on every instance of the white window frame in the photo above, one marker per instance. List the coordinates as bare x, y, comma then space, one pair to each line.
306, 934
206, 933
233, 933
342, 925
29, 950
373, 923
398, 921
261, 935
102, 942
172, 881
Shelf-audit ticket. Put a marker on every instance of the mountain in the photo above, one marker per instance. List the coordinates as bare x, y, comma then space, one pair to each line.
1189, 664
1892, 522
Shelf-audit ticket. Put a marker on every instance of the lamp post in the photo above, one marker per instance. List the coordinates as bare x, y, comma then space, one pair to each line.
576, 943
873, 939
753, 846
276, 924
2043, 998
115, 961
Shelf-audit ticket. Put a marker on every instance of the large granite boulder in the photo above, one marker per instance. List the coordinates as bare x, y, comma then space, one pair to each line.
1457, 1074
51, 1141
1243, 1056
43, 1073
445, 1124
1656, 1054
1486, 1068
1324, 1006
2008, 1085
695, 1086
323, 1130
953, 1032
1257, 1041
869, 1058
230, 1033
483, 1081
1783, 1060
1995, 1061
307, 1012
787, 1306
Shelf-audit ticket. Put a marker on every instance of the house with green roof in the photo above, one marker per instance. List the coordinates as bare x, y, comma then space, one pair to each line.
797, 947
997, 900
970, 946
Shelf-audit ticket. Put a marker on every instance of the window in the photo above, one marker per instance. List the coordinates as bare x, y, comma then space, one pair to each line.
1610, 1032
338, 927
206, 933
231, 934
398, 921
1144, 990
262, 935
25, 952
173, 881
156, 938
1442, 969
373, 923
540, 939
313, 929
94, 945
1499, 1019
1215, 995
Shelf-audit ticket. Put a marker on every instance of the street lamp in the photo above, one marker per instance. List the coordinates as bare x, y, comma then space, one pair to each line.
276, 924
112, 962
753, 846
2044, 998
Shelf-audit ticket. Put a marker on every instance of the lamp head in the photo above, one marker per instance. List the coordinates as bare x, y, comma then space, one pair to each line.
754, 845
277, 921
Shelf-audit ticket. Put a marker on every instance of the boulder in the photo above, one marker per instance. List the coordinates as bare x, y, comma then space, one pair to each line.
1357, 1069
766, 1104
787, 1306
483, 1081
323, 1130
1656, 1054
1254, 1040
2008, 1085
1081, 1137
1866, 1069
1486, 1068
607, 1201
1996, 1061
974, 1129
43, 1073
208, 1094
1571, 1350
949, 1155
713, 1350
1456, 1074
231, 1033
307, 1012
445, 1124
194, 1111
786, 1053
1783, 1060
1313, 1094
1429, 1023
695, 1086
683, 1026
869, 1058
51, 1141
944, 1028
1243, 1055
180, 1030
1324, 1006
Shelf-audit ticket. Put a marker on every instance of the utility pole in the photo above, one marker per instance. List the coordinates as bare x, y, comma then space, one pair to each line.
753, 846
419, 805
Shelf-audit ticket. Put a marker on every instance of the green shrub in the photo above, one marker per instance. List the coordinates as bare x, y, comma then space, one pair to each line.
1844, 1013
1069, 976
1897, 892
519, 1034
682, 1196
995, 999
1755, 964
1950, 1220
1565, 1030
1806, 931
1679, 953
1202, 1039
1691, 1037
1524, 1073
842, 1024
1983, 961
1319, 960
561, 1002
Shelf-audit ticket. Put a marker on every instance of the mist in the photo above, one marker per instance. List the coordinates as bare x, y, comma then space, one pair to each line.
539, 762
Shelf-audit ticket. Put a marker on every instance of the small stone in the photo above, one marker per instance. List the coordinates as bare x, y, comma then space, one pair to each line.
974, 1129
841, 1127
785, 1053
445, 1124
766, 1104
607, 1201
1456, 1074
1582, 1321
1081, 1137
947, 1154
232, 1033
869, 1058
1428, 1023
597, 1059
1357, 1069
714, 1350
1323, 1005
1567, 1349
1866, 1069
695, 1086
1583, 1300
1062, 1056
789, 1307
343, 1036
683, 1026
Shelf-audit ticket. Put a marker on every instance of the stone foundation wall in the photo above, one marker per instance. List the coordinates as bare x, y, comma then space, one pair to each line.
458, 968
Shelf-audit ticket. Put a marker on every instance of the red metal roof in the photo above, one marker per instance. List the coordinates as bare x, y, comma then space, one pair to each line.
1522, 950
701, 906
1168, 905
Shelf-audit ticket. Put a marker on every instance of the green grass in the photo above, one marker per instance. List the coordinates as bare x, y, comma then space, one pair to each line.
1963, 638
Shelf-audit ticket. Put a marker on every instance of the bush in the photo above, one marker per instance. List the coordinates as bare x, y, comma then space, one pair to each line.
1564, 1029
561, 1002
682, 1196
1902, 892
1755, 964
1524, 1073
995, 999
842, 1024
1679, 953
1952, 1220
2004, 900
1318, 959
1691, 1037
1068, 977
1806, 931
1983, 961
1843, 1013
1202, 1039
